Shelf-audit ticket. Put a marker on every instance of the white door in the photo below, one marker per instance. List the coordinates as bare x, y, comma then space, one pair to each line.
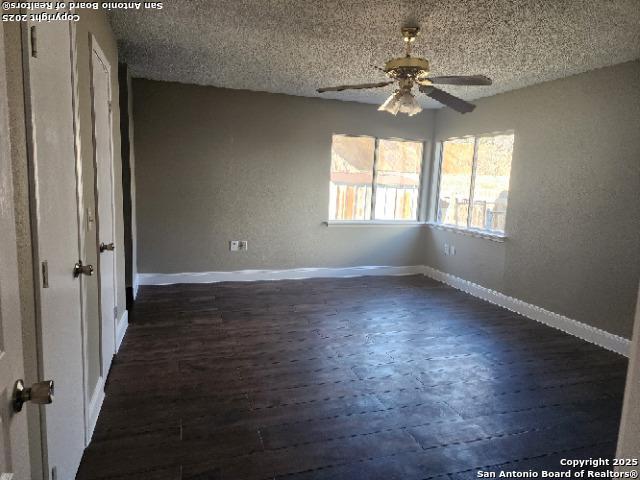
14, 447
103, 158
48, 71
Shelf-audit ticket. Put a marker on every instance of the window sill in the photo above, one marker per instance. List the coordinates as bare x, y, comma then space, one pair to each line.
371, 223
495, 237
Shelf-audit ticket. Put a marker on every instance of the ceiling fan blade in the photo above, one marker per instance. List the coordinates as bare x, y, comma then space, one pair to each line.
354, 87
447, 99
460, 80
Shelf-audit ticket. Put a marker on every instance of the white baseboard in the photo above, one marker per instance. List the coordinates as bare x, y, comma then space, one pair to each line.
136, 286
123, 324
95, 405
578, 329
581, 330
98, 395
291, 274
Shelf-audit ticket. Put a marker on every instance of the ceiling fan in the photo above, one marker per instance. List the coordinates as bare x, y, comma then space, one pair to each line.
409, 71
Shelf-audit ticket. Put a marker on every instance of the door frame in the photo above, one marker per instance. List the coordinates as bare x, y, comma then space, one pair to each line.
108, 329
17, 442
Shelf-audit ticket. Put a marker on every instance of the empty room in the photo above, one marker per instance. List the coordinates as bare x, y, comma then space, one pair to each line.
277, 239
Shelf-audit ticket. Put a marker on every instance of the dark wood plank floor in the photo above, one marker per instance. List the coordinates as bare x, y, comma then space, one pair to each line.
364, 378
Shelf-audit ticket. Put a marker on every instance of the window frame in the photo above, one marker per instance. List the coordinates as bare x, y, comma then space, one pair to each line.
439, 154
374, 188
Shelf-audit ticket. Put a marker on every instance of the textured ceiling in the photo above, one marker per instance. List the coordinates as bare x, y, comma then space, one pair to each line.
296, 46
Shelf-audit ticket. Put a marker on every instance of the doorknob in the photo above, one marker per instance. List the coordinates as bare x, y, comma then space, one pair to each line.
109, 247
40, 393
80, 269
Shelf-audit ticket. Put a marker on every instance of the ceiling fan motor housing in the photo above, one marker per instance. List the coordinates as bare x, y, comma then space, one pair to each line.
408, 71
407, 67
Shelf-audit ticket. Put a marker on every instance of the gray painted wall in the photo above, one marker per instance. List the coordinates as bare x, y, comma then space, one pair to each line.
254, 166
128, 175
214, 165
574, 204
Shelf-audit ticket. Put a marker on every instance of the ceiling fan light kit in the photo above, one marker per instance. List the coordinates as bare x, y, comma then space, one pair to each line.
401, 101
408, 71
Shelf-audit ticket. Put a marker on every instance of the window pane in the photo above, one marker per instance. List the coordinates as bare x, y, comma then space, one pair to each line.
455, 181
491, 186
351, 178
398, 179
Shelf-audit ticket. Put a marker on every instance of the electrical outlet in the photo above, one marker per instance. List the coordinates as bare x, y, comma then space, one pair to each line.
446, 249
452, 249
238, 245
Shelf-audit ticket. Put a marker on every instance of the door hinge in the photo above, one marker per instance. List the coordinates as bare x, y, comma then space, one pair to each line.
34, 42
115, 313
110, 108
45, 274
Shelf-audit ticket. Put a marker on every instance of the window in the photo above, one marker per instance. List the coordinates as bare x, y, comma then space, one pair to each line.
474, 182
374, 179
351, 177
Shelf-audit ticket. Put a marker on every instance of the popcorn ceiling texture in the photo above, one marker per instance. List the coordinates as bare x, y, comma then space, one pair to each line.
296, 46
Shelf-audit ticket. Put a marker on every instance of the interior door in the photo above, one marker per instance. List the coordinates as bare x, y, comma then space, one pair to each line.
103, 158
14, 446
50, 121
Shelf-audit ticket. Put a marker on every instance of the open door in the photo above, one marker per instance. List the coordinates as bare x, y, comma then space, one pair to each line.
14, 443
54, 180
